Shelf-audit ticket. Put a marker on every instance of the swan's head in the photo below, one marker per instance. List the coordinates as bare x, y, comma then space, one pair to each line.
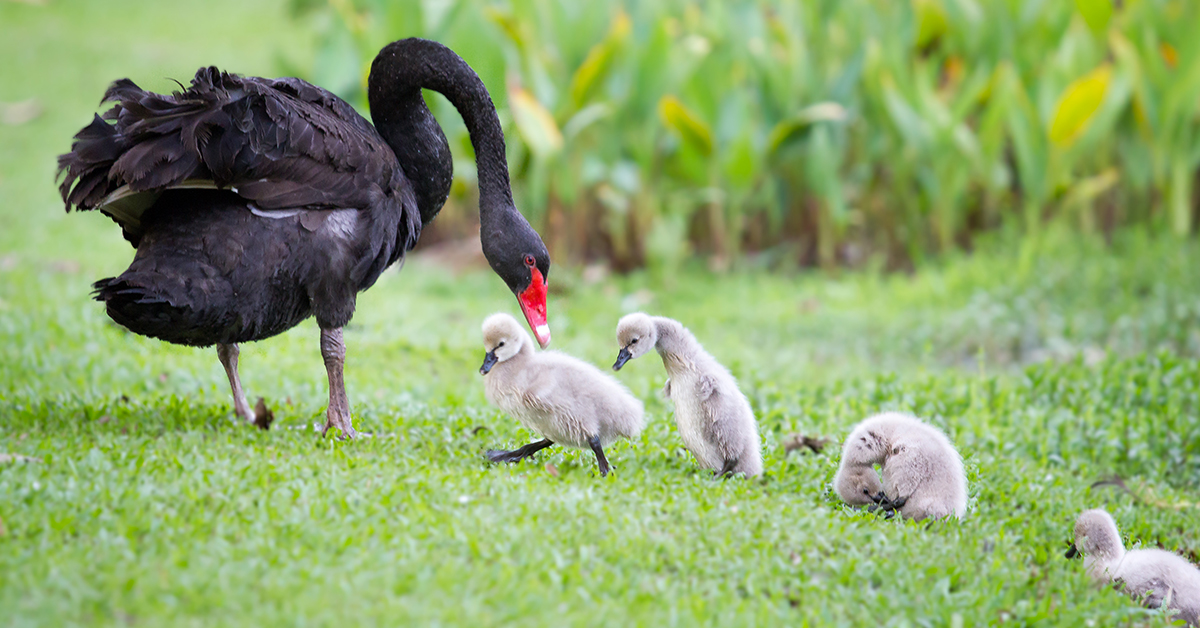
1096, 536
503, 338
524, 265
636, 335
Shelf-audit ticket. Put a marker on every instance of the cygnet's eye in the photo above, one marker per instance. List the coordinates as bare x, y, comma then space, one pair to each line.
633, 342
501, 344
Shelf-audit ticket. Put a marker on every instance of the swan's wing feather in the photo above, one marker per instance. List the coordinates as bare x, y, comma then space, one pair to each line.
279, 143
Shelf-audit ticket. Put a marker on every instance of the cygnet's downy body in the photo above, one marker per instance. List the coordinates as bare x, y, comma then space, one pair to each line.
713, 416
922, 473
1157, 576
566, 400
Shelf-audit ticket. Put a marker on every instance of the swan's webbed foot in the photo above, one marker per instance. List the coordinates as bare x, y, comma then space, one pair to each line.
516, 455
600, 459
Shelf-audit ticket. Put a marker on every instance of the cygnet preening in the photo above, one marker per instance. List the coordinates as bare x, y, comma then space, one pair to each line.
1161, 576
566, 400
713, 416
922, 472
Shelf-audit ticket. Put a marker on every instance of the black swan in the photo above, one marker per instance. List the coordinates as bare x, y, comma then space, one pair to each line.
255, 203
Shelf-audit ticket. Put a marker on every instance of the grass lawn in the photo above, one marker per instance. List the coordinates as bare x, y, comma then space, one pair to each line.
1052, 365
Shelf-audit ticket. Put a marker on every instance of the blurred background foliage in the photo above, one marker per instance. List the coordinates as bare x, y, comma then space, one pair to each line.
779, 133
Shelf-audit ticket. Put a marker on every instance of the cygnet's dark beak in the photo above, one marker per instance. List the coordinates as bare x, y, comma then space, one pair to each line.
622, 357
489, 360
1072, 551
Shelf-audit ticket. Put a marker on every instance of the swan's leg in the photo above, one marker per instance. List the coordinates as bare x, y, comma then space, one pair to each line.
333, 350
229, 359
727, 468
516, 455
599, 451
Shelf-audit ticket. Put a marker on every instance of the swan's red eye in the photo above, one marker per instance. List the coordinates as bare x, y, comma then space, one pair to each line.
529, 261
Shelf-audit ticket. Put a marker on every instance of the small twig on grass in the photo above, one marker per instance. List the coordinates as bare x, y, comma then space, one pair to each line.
800, 441
263, 416
1151, 500
1118, 482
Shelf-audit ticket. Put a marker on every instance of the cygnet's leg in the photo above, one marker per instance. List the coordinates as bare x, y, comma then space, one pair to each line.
599, 451
516, 455
333, 350
228, 355
727, 469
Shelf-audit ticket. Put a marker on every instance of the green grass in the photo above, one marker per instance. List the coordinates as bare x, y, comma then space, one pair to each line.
1052, 365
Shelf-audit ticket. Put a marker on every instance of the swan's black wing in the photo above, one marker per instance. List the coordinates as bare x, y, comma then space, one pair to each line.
279, 143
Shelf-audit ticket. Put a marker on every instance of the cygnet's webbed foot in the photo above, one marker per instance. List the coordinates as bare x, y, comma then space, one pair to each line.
884, 503
519, 454
726, 469
601, 460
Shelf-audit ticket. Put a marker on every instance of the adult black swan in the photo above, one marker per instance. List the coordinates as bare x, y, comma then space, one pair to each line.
255, 203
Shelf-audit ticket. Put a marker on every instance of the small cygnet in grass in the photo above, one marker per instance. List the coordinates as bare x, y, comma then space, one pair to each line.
922, 472
1159, 576
713, 416
564, 399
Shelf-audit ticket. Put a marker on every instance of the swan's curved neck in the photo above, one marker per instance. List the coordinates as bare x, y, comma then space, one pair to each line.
398, 74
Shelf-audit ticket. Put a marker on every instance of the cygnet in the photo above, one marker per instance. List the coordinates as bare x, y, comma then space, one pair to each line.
564, 399
713, 416
922, 472
1160, 576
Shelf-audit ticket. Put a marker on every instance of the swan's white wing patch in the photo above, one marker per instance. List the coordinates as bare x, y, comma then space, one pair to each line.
273, 213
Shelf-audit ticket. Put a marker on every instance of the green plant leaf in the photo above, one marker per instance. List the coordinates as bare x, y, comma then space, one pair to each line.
584, 118
792, 127
931, 21
741, 162
1078, 104
1097, 14
534, 123
686, 124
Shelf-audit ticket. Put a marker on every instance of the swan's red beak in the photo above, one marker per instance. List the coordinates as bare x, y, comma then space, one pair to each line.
533, 305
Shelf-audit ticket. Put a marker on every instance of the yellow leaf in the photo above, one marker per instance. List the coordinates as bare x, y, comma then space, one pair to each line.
1169, 54
687, 124
535, 125
1078, 105
595, 65
509, 24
